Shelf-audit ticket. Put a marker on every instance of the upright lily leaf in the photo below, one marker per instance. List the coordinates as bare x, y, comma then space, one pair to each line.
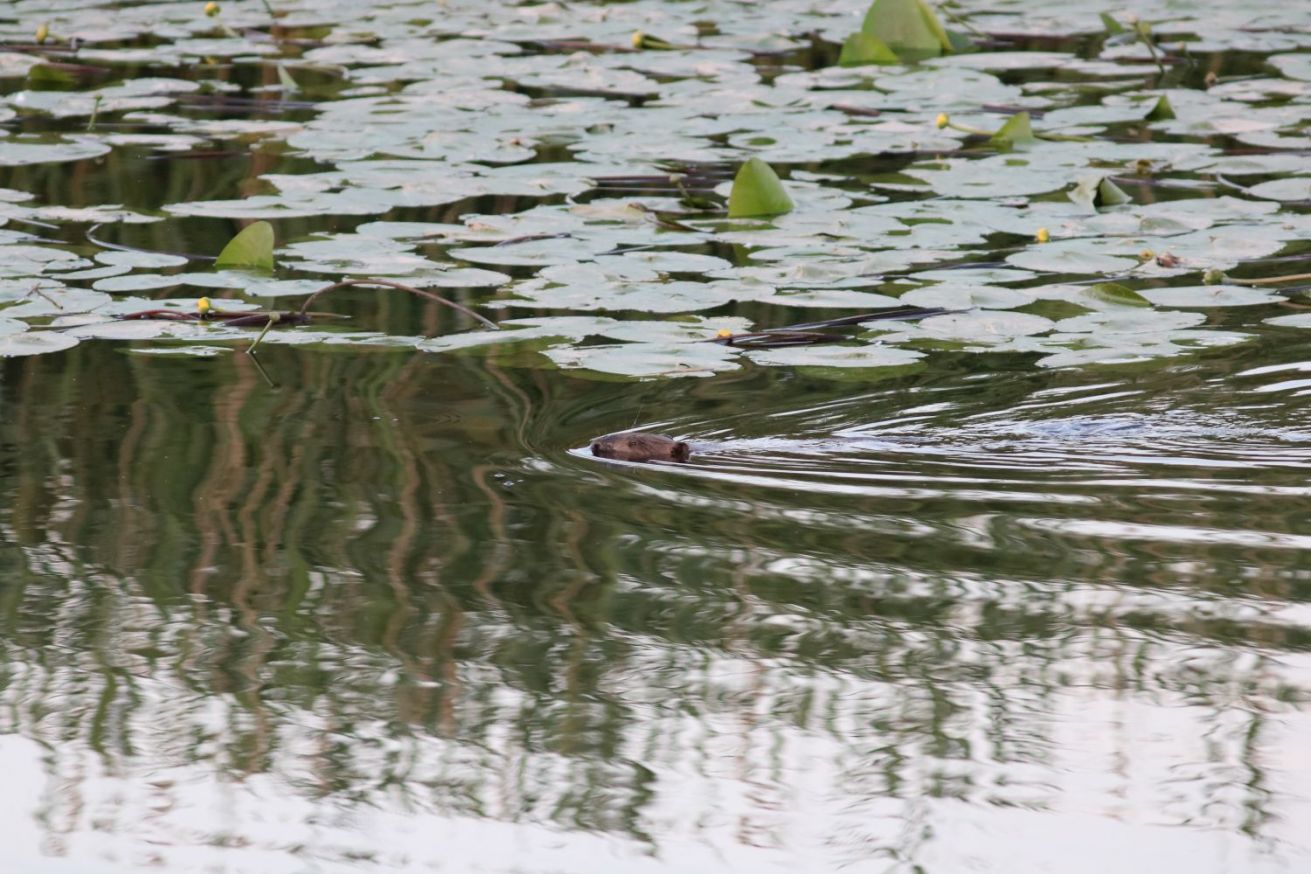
909, 27
757, 191
1114, 292
1017, 131
862, 48
1113, 27
46, 77
1092, 192
252, 249
286, 80
1110, 194
1162, 111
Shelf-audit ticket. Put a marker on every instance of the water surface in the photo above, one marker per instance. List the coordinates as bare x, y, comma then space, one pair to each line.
379, 613
1014, 595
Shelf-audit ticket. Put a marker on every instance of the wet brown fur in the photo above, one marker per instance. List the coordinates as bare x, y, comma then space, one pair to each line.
636, 446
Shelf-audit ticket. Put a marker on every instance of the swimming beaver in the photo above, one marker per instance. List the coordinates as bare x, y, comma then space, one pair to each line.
636, 446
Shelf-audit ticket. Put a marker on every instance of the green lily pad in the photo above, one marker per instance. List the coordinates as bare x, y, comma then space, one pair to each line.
863, 48
908, 27
1093, 192
1162, 110
1113, 292
757, 191
1016, 132
251, 249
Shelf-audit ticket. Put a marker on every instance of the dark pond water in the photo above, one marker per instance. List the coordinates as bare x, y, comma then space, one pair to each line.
1014, 594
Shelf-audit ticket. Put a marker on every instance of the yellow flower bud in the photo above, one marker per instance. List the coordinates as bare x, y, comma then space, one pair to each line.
1146, 255
211, 9
1043, 236
723, 333
942, 120
42, 33
638, 39
203, 306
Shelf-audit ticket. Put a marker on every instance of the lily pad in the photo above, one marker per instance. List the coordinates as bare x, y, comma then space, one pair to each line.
757, 191
1016, 132
863, 48
1093, 192
251, 249
35, 343
985, 326
648, 360
1071, 257
868, 356
908, 27
1204, 296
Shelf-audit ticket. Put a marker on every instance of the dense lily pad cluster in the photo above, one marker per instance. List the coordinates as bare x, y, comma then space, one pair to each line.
1146, 166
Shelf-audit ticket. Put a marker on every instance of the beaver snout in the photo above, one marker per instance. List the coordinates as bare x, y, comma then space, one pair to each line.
636, 446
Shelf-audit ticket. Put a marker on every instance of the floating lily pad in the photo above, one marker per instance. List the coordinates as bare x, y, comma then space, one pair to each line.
35, 343
135, 259
1071, 257
866, 357
1298, 188
959, 296
985, 326
1114, 293
1130, 321
648, 360
1300, 320
1202, 296
50, 151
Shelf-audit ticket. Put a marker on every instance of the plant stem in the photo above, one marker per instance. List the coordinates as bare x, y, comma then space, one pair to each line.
273, 317
346, 283
1272, 280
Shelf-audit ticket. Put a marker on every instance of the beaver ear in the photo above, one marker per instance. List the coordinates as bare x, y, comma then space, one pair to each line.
680, 452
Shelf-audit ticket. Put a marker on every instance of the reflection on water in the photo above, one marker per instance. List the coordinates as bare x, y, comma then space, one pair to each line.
375, 612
